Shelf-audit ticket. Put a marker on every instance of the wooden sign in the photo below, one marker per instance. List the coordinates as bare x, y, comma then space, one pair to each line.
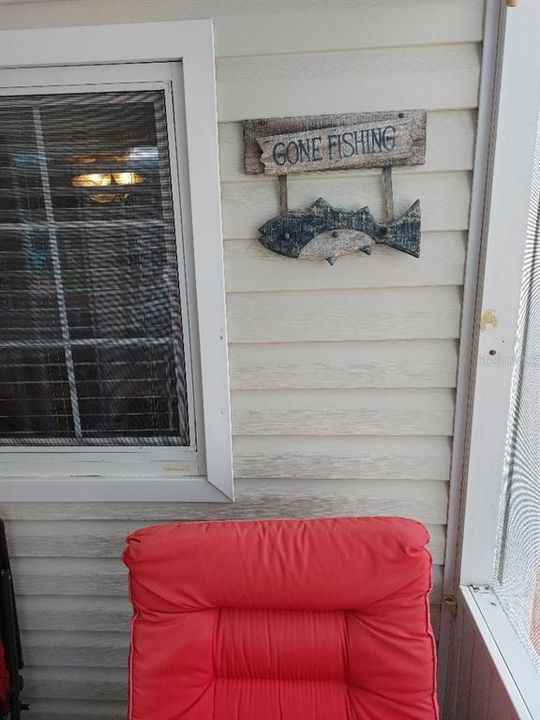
280, 146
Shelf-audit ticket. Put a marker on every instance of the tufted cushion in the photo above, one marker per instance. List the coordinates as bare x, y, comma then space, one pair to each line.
323, 619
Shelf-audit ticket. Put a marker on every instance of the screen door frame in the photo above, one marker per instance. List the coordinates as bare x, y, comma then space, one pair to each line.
506, 136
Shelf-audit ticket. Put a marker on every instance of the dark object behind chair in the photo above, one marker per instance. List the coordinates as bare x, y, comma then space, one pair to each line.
11, 660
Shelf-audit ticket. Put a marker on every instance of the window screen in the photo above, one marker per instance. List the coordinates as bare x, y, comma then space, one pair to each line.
91, 340
517, 573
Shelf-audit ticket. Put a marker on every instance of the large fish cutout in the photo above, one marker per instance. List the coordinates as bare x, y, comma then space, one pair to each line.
325, 232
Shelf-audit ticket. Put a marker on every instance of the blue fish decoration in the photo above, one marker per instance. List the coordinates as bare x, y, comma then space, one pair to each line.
325, 232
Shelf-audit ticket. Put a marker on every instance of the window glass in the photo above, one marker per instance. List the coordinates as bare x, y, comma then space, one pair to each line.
91, 337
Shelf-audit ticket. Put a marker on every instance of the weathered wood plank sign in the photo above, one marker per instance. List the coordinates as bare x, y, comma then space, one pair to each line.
335, 142
347, 146
280, 146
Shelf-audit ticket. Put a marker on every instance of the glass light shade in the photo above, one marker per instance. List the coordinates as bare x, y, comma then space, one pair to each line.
92, 180
97, 180
127, 178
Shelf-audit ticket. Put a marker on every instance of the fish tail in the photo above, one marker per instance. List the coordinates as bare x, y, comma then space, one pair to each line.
404, 233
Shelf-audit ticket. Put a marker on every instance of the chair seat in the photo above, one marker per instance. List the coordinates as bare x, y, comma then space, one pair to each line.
323, 619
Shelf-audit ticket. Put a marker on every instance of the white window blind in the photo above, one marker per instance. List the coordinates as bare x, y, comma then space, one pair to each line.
517, 572
91, 338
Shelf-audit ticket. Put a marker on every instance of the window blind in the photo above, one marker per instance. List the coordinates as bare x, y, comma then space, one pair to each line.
517, 572
91, 337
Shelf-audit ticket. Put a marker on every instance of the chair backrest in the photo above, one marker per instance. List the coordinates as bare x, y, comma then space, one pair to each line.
321, 619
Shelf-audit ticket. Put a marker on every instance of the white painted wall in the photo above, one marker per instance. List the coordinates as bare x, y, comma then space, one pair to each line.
342, 377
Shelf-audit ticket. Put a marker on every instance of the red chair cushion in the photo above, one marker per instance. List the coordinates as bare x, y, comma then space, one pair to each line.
323, 619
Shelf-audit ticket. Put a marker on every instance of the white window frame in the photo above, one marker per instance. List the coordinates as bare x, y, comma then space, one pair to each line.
177, 57
509, 107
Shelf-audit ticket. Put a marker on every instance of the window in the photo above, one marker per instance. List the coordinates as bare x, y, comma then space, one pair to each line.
113, 365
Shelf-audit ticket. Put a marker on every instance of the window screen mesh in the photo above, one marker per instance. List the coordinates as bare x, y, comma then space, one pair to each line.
517, 572
91, 343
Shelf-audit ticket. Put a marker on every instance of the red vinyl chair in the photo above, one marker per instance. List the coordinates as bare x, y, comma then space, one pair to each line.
323, 619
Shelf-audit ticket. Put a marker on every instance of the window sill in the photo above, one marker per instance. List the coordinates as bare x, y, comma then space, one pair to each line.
515, 668
109, 489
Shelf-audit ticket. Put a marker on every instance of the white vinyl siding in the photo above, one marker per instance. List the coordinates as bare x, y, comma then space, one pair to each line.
342, 377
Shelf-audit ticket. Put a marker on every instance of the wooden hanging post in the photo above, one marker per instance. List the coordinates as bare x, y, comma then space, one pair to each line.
388, 194
283, 194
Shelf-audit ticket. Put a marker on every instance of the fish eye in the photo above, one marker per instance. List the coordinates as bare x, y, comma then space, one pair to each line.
287, 236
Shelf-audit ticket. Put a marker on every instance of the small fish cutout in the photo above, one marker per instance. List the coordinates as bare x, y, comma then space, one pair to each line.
325, 232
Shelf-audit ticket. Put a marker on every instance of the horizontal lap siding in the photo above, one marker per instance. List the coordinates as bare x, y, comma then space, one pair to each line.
251, 268
344, 315
444, 198
342, 377
346, 412
383, 364
367, 458
436, 77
